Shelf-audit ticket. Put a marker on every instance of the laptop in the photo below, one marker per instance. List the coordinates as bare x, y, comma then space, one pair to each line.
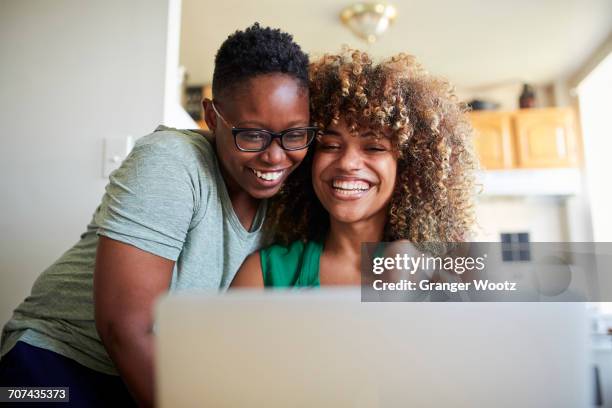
326, 348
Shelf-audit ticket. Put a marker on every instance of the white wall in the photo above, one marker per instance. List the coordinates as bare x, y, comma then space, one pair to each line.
595, 94
72, 73
544, 217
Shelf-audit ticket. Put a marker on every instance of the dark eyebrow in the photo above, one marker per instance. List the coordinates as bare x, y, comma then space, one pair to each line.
250, 123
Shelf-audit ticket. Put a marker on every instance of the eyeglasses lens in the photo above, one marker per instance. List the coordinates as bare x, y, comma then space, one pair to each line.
253, 140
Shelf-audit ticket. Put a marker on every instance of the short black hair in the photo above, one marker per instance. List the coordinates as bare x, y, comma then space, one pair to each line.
256, 51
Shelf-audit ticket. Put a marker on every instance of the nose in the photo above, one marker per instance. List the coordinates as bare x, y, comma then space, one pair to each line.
274, 154
350, 159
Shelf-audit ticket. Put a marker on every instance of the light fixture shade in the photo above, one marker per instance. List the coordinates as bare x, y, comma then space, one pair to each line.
368, 20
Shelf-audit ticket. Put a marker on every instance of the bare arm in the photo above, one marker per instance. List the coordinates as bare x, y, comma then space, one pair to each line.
127, 282
250, 273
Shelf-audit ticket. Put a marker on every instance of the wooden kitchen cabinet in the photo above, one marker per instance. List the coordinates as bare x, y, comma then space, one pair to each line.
527, 138
202, 124
546, 138
493, 139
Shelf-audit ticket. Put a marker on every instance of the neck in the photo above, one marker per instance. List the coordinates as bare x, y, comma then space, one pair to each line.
346, 238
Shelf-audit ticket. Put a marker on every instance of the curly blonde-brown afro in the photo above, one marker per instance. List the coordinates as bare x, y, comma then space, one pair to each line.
430, 133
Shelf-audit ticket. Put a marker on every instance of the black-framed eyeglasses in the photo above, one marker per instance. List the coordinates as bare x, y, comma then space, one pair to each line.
258, 140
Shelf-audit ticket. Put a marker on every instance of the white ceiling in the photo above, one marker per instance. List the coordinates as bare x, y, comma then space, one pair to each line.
471, 42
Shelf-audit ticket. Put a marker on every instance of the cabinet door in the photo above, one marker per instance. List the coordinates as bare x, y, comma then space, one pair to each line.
493, 139
546, 138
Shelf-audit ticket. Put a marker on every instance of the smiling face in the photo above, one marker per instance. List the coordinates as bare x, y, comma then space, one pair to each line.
353, 175
273, 102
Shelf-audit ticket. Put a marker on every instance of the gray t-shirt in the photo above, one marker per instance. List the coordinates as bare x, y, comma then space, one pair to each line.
167, 198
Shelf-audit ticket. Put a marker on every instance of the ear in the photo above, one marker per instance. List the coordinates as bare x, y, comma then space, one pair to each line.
210, 117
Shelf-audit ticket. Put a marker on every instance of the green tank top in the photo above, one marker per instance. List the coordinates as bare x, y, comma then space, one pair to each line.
294, 265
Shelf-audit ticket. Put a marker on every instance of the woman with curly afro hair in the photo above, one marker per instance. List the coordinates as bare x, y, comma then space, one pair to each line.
393, 161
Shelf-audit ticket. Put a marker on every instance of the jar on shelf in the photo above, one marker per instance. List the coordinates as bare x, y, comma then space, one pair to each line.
527, 98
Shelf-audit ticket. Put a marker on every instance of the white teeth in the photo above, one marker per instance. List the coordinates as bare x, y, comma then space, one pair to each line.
351, 186
268, 175
347, 192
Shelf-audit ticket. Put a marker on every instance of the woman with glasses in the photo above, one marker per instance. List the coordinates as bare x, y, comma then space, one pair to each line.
392, 162
273, 162
182, 212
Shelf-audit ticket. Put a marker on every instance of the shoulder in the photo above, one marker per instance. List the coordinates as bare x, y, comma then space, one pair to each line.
278, 250
185, 145
291, 254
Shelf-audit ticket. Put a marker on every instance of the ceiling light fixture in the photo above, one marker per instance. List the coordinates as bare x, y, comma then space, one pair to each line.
368, 20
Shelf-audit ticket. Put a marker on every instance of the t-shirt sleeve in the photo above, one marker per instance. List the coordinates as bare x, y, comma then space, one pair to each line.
150, 201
